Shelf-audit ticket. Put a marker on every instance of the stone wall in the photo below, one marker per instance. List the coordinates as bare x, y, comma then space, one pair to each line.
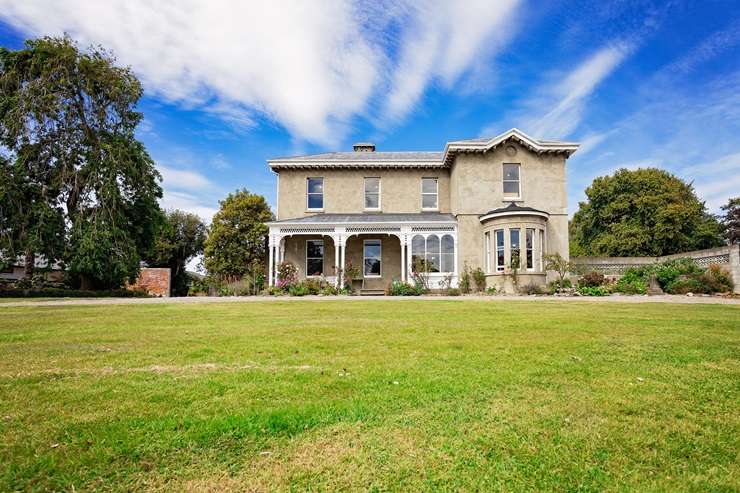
727, 257
155, 281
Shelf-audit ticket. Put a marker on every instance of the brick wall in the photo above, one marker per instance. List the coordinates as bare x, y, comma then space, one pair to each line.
155, 281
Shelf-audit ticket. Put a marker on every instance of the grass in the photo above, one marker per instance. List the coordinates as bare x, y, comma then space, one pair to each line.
495, 396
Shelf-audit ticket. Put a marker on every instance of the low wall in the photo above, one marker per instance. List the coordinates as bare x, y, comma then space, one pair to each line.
155, 281
727, 257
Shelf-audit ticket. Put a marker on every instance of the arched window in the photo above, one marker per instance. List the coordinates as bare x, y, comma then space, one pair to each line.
448, 254
433, 253
418, 251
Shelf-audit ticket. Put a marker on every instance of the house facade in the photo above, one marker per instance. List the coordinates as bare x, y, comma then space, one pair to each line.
491, 204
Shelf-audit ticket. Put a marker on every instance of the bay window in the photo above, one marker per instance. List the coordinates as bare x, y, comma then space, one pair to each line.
500, 263
529, 246
433, 254
515, 250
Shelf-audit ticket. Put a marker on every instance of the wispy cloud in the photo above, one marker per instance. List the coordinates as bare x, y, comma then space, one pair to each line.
188, 202
712, 46
571, 93
184, 179
441, 41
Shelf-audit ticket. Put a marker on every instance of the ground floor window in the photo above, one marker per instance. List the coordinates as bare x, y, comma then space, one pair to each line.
433, 253
499, 250
372, 258
529, 246
314, 257
516, 254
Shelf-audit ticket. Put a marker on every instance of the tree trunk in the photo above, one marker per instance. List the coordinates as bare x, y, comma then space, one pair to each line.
86, 283
29, 264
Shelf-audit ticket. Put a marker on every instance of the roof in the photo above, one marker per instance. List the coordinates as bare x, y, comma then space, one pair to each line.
513, 210
420, 217
420, 159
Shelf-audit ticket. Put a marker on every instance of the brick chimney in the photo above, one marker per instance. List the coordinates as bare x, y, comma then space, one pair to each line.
364, 147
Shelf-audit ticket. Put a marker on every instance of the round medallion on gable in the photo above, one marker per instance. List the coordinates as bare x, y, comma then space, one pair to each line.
510, 151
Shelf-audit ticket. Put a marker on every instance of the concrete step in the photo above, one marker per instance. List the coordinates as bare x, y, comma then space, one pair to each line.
372, 292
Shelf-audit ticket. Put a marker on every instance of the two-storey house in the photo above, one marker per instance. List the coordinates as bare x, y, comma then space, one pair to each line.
478, 203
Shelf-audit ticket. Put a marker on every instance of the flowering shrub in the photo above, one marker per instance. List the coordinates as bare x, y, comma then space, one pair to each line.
287, 275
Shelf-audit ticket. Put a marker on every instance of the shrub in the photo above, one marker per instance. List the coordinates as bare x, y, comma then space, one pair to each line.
329, 290
716, 280
491, 290
686, 285
591, 279
71, 293
465, 280
668, 272
398, 288
287, 275
453, 292
532, 289
299, 289
479, 277
633, 281
558, 285
593, 291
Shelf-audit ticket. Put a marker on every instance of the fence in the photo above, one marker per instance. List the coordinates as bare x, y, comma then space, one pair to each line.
727, 257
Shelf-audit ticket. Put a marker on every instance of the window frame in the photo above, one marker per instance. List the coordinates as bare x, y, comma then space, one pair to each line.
309, 193
436, 193
380, 258
518, 248
323, 256
365, 192
487, 246
500, 249
518, 181
529, 248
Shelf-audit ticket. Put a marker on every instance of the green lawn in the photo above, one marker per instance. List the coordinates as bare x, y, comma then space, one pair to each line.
371, 395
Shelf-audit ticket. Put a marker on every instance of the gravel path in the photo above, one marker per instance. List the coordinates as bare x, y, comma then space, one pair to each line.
480, 299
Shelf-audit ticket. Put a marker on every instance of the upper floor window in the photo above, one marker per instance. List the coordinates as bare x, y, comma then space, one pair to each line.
315, 193
429, 193
372, 193
512, 188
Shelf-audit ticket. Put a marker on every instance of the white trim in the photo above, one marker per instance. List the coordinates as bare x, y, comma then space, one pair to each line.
315, 209
436, 192
515, 134
380, 244
364, 193
533, 230
514, 213
323, 257
497, 267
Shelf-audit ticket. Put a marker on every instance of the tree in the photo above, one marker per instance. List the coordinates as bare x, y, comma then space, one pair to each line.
731, 221
238, 234
67, 122
645, 212
561, 266
180, 239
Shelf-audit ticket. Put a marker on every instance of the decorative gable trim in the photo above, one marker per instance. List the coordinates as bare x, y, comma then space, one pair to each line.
513, 135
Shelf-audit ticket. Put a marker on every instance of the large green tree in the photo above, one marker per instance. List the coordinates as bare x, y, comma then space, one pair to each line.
179, 240
644, 212
238, 235
67, 123
731, 221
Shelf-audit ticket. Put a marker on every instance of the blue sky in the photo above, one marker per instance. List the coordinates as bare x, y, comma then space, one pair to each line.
229, 84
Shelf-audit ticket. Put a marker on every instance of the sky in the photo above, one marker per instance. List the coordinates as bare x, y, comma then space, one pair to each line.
230, 84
